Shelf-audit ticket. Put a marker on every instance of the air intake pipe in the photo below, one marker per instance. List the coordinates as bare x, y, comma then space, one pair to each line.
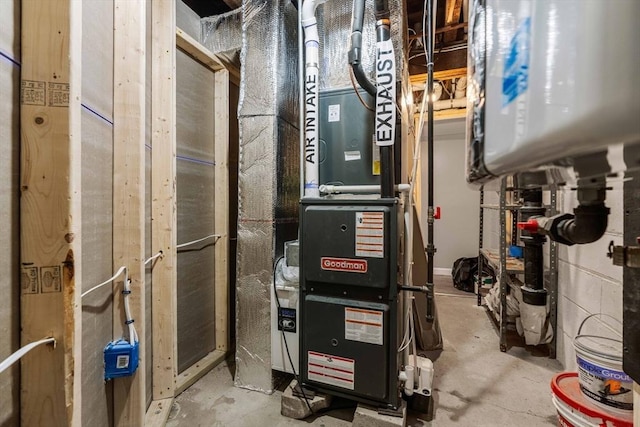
385, 122
311, 98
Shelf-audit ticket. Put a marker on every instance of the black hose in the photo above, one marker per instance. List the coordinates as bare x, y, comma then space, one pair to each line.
430, 143
533, 291
587, 226
357, 20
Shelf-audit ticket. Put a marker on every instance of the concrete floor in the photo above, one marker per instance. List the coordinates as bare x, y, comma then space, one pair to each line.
474, 385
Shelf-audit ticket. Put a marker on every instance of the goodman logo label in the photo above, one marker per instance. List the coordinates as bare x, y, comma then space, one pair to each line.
344, 264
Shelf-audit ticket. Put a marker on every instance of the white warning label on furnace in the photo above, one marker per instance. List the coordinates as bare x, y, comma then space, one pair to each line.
332, 370
370, 234
363, 325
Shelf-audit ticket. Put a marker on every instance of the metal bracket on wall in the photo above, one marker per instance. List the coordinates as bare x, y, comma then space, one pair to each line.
625, 256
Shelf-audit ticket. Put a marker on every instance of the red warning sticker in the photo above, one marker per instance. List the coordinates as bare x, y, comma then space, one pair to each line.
329, 369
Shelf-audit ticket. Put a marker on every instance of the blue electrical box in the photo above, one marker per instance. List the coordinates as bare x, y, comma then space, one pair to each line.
120, 359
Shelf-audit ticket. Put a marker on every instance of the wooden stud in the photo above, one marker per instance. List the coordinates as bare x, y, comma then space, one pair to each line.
221, 157
233, 4
420, 79
199, 370
163, 201
203, 55
158, 413
50, 210
452, 17
128, 195
636, 404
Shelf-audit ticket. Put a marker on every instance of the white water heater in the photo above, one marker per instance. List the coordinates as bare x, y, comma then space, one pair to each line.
550, 80
285, 338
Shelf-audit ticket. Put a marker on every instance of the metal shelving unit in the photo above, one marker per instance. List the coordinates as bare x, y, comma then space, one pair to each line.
507, 268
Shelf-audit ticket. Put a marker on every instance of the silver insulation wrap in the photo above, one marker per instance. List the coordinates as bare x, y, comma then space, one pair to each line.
334, 27
222, 35
268, 176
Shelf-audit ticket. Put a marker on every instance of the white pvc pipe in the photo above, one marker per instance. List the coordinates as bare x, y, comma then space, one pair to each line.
328, 189
311, 99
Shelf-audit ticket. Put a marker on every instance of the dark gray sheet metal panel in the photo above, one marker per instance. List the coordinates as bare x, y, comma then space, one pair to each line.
195, 194
9, 208
325, 324
97, 201
346, 138
360, 286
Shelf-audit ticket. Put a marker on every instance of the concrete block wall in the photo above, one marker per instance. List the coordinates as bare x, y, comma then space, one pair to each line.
588, 282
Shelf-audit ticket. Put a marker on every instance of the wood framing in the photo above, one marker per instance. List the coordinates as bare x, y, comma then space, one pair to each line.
50, 210
420, 79
221, 156
128, 195
163, 200
198, 370
636, 404
203, 55
452, 17
158, 413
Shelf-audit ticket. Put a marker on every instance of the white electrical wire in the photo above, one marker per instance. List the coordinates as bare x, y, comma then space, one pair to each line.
126, 292
106, 282
150, 259
6, 363
193, 242
408, 333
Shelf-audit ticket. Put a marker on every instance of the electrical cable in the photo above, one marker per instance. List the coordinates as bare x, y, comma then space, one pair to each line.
106, 282
193, 242
126, 292
355, 89
14, 357
150, 259
284, 337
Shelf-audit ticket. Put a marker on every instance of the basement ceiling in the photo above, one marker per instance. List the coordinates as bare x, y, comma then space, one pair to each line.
451, 30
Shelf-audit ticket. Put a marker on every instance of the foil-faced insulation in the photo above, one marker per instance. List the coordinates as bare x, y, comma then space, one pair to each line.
187, 20
268, 176
222, 35
334, 27
97, 207
195, 210
269, 59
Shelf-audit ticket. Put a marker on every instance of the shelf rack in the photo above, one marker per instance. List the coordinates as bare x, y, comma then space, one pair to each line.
508, 268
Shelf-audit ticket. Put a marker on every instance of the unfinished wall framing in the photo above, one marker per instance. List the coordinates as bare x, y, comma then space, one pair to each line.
100, 176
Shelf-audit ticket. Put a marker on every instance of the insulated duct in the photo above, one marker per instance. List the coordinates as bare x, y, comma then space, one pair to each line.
222, 35
268, 176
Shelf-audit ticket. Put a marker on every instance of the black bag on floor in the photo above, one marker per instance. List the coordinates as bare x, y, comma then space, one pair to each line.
462, 273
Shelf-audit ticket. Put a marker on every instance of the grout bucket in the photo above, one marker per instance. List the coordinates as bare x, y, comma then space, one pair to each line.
576, 410
600, 372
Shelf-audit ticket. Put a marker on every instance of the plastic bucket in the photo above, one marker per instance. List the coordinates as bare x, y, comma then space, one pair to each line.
600, 370
575, 410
